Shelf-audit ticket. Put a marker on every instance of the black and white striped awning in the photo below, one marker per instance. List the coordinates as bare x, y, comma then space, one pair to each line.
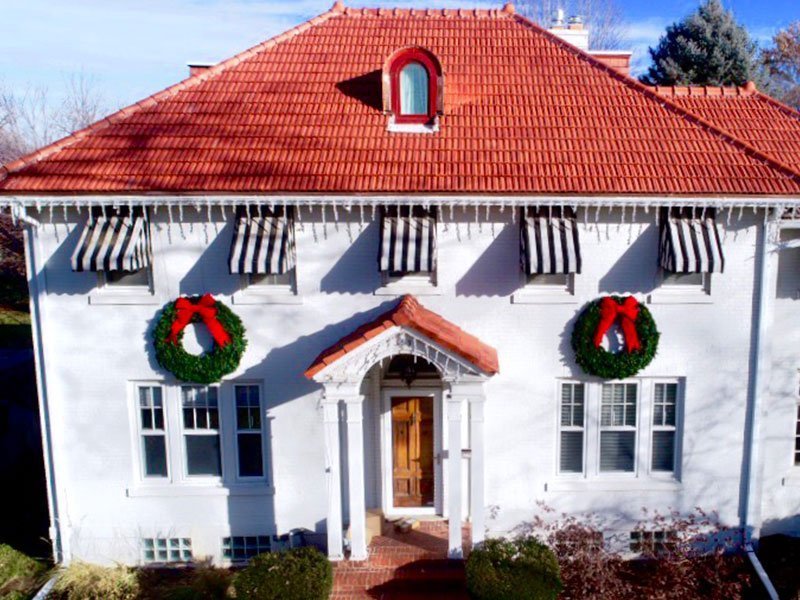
408, 240
263, 241
690, 241
113, 240
549, 242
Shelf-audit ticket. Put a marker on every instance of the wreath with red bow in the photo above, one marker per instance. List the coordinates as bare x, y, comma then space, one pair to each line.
638, 328
225, 328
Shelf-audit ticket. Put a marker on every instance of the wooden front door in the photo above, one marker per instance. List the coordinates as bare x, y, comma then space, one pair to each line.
412, 451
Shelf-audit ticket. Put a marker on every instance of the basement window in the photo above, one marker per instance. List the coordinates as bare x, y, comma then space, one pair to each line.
166, 550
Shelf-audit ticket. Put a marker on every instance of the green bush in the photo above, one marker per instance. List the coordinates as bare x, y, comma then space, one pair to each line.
296, 574
205, 583
84, 581
20, 575
519, 569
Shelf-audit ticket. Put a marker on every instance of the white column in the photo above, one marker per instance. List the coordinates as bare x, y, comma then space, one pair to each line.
476, 475
355, 477
330, 408
454, 408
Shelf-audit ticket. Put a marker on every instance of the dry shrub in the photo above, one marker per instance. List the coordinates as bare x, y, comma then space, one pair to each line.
701, 559
20, 575
85, 581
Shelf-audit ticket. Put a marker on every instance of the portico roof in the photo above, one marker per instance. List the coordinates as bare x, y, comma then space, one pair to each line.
409, 313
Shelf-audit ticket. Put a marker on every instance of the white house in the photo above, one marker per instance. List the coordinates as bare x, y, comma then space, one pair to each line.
409, 211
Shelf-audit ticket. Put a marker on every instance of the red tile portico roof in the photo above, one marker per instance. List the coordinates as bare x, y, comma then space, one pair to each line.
524, 113
411, 314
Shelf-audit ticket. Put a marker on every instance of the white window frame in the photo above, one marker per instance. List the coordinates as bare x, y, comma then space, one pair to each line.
676, 429
251, 292
643, 474
572, 428
138, 449
184, 432
530, 292
677, 293
420, 283
620, 428
262, 432
795, 454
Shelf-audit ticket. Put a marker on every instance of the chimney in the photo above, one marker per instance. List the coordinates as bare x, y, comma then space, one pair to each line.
619, 60
572, 32
195, 67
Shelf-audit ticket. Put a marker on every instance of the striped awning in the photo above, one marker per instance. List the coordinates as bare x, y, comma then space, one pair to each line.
549, 242
408, 240
690, 241
263, 241
113, 240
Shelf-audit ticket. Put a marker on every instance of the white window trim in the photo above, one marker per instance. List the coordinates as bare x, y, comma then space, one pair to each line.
681, 294
622, 428
266, 476
675, 474
560, 428
177, 483
266, 294
643, 478
183, 432
412, 283
394, 127
531, 293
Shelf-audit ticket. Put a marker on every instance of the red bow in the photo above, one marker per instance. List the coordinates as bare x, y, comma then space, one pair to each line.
206, 308
626, 312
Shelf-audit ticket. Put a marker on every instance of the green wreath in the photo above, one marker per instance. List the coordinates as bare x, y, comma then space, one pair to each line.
225, 327
596, 360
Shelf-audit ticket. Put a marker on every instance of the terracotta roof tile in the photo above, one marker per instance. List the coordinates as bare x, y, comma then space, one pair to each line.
411, 314
524, 112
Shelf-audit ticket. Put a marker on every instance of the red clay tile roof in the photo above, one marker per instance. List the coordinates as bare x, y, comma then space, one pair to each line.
763, 122
411, 314
524, 112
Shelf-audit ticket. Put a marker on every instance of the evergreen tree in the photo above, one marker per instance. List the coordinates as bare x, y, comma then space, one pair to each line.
708, 47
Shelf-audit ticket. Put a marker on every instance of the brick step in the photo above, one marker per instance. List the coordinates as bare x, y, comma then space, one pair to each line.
423, 575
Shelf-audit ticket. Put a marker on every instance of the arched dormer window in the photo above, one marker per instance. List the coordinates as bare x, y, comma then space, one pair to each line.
414, 93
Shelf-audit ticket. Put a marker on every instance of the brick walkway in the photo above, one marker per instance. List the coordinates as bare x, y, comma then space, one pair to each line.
404, 565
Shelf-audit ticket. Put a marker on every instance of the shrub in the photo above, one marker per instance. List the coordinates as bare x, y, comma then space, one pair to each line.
296, 574
20, 575
84, 581
519, 569
205, 583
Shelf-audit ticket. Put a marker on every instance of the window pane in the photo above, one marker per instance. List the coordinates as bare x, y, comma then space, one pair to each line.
202, 455
251, 463
663, 450
617, 450
127, 278
413, 89
571, 452
155, 456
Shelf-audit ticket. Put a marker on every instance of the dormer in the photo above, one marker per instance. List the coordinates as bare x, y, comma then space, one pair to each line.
413, 90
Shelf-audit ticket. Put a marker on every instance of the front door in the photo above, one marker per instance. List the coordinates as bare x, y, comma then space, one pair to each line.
412, 451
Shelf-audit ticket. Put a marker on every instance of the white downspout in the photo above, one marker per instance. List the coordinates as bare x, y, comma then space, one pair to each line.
35, 291
750, 510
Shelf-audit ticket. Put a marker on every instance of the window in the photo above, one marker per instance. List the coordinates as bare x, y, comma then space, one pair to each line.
572, 427
201, 430
243, 548
248, 431
120, 279
651, 542
153, 431
283, 279
413, 75
797, 439
558, 280
163, 550
618, 427
684, 280
665, 404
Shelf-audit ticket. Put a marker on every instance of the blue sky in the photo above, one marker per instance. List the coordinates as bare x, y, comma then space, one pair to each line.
132, 48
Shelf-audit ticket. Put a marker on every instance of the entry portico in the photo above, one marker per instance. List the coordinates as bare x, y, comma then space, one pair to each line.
463, 363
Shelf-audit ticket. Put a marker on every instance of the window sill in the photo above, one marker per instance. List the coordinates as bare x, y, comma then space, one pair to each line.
179, 490
394, 127
662, 296
399, 289
123, 297
245, 298
614, 485
544, 296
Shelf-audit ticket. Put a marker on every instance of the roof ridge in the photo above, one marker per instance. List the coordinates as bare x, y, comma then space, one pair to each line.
645, 90
692, 89
396, 11
153, 99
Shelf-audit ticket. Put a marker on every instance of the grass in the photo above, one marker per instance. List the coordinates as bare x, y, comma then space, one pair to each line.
20, 575
15, 328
